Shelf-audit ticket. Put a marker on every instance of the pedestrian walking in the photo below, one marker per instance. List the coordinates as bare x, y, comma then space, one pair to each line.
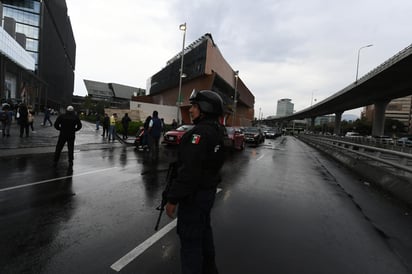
174, 124
97, 121
47, 113
67, 123
162, 120
112, 126
6, 117
155, 131
31, 119
23, 119
200, 159
125, 124
146, 141
106, 123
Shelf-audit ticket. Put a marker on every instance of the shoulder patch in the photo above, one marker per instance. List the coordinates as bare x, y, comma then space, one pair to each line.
196, 139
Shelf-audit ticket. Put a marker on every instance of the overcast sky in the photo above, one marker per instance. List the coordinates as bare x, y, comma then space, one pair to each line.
305, 50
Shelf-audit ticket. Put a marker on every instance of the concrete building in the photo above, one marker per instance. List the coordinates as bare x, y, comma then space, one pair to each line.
284, 107
37, 53
204, 67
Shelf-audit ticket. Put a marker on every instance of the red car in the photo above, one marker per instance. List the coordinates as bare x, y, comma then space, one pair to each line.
173, 137
235, 138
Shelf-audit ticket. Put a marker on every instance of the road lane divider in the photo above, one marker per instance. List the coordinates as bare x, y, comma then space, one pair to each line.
55, 179
137, 251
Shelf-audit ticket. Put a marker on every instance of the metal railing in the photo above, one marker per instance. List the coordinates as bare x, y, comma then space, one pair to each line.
396, 58
392, 160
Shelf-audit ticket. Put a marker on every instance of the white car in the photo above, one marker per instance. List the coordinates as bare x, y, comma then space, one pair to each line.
352, 134
383, 139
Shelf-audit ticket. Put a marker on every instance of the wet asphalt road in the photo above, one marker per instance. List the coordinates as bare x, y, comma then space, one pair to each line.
283, 208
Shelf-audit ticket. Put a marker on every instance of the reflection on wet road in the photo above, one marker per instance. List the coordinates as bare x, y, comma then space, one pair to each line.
283, 208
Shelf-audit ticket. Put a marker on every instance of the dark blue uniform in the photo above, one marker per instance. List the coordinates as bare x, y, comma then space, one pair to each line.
200, 158
155, 131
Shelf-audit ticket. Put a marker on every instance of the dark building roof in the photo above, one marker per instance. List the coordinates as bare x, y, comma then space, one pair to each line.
193, 66
202, 58
111, 90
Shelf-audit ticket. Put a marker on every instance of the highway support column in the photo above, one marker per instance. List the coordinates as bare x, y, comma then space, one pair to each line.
338, 120
378, 125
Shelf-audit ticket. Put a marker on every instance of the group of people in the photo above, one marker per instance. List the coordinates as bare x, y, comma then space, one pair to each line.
153, 127
109, 125
24, 116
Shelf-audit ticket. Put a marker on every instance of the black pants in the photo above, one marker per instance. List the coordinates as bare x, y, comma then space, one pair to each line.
196, 237
24, 126
105, 131
125, 131
154, 145
60, 144
47, 119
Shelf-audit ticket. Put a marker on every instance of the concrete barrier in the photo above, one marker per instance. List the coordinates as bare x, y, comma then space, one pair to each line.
399, 184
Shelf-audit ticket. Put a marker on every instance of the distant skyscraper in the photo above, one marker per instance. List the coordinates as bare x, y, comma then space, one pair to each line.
284, 107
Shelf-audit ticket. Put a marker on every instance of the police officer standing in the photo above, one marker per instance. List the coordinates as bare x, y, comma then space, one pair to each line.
67, 123
200, 158
155, 131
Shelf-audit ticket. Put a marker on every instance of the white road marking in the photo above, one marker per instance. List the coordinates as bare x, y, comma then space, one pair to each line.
137, 251
261, 157
55, 179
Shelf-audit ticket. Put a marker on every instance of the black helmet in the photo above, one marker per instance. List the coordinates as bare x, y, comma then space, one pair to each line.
209, 101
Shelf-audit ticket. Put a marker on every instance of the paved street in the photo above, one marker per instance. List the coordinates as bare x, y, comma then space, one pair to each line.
44, 139
282, 207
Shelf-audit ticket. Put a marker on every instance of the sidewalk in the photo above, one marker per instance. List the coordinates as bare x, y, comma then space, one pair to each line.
44, 138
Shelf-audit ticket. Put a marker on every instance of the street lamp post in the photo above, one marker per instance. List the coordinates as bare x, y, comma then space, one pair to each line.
182, 27
235, 99
311, 100
357, 66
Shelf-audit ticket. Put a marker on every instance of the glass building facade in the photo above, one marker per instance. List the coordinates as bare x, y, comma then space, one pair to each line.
10, 48
26, 14
43, 31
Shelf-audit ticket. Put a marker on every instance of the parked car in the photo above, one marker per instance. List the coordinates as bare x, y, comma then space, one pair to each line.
174, 136
381, 139
254, 135
405, 141
271, 133
235, 139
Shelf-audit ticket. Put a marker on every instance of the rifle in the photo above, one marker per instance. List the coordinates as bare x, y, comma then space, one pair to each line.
171, 174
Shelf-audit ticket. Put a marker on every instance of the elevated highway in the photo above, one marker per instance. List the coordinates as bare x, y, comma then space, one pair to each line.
390, 80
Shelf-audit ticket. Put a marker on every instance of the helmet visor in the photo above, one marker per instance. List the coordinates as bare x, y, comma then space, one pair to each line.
193, 95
